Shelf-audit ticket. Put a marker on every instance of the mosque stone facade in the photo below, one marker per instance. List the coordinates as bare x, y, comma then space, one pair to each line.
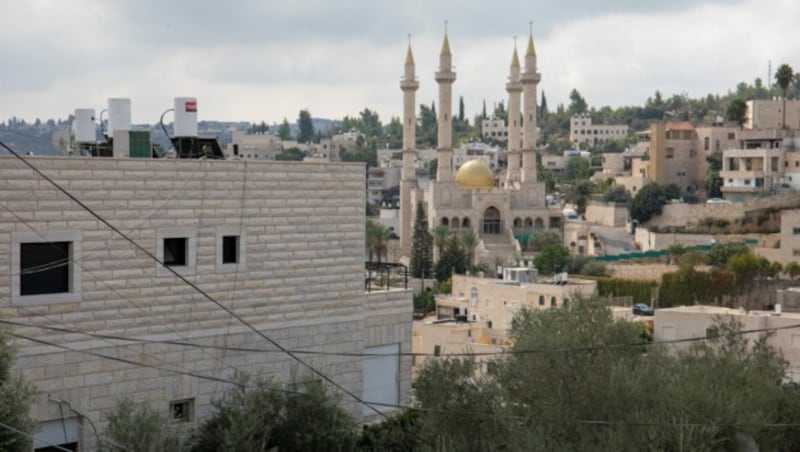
497, 207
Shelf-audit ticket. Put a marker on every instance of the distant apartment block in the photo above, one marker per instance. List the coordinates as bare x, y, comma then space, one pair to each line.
494, 129
768, 114
582, 131
747, 173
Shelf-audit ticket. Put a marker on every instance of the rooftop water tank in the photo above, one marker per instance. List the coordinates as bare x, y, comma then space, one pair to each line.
185, 116
84, 125
119, 116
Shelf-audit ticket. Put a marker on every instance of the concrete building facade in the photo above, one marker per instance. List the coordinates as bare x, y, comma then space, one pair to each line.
496, 207
768, 114
583, 132
280, 244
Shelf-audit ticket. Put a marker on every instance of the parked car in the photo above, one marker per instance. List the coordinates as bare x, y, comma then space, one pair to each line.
642, 309
718, 201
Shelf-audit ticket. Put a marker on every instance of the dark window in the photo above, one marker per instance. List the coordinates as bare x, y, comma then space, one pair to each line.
44, 268
181, 410
175, 251
437, 350
230, 249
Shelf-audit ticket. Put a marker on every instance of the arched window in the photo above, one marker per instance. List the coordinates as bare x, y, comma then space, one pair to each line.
517, 222
553, 303
491, 221
454, 223
565, 303
541, 300
465, 222
445, 222
538, 224
528, 223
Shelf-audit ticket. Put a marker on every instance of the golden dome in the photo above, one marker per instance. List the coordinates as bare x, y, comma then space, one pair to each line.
475, 174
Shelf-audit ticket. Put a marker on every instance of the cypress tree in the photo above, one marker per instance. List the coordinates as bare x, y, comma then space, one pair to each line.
421, 246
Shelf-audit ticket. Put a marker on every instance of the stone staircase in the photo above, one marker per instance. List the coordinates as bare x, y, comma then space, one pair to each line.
497, 249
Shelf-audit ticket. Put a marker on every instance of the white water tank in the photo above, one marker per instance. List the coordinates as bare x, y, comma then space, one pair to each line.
119, 116
185, 116
84, 125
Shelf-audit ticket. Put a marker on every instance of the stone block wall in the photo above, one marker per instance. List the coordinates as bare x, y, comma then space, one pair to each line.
299, 278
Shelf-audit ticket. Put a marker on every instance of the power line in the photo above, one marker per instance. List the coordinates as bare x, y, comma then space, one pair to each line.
403, 354
202, 292
597, 422
102, 281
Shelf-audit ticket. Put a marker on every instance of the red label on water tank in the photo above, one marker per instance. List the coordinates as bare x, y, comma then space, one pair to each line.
191, 105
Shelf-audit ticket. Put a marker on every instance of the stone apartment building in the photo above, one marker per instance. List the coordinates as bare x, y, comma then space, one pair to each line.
477, 314
280, 244
687, 322
768, 114
583, 132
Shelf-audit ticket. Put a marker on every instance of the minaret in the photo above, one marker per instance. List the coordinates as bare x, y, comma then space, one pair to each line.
530, 82
514, 89
408, 176
445, 78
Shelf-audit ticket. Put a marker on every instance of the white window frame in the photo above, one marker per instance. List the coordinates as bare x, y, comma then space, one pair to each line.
74, 294
190, 234
241, 264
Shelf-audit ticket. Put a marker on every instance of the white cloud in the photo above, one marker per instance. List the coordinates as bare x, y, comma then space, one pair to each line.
267, 60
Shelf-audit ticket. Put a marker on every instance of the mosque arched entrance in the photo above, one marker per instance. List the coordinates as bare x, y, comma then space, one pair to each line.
492, 223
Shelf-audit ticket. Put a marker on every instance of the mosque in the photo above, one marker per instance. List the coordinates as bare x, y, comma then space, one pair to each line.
497, 207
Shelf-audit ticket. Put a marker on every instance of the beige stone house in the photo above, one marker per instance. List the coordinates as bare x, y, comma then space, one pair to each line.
688, 322
279, 244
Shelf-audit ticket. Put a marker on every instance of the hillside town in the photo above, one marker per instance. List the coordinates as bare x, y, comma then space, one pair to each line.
521, 280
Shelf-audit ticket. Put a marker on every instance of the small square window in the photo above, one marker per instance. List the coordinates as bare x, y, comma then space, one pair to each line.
44, 268
230, 249
181, 410
175, 251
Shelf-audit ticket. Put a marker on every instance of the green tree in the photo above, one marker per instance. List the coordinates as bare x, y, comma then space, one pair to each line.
737, 111
537, 241
461, 108
440, 236
470, 240
284, 131
720, 253
616, 194
552, 258
377, 239
262, 415
394, 133
783, 77
792, 270
421, 261
138, 427
16, 396
577, 169
305, 127
543, 109
713, 181
647, 202
452, 260
291, 154
577, 104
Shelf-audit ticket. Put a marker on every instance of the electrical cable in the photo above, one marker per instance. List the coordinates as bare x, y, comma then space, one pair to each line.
103, 282
194, 286
406, 354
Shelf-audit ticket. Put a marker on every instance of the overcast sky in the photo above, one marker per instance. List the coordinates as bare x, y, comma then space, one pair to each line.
256, 60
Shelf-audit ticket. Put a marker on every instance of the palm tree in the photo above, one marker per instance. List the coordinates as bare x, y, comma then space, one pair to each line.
377, 239
469, 240
783, 77
440, 234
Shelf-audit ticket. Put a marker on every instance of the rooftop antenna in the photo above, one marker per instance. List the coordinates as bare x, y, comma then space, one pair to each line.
769, 74
530, 27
